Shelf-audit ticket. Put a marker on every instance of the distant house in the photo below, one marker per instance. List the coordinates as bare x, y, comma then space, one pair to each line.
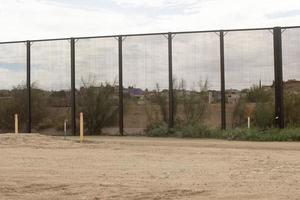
292, 86
233, 96
135, 92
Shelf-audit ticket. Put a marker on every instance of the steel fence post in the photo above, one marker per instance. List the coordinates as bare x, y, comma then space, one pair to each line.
278, 76
171, 92
222, 69
28, 80
121, 103
73, 90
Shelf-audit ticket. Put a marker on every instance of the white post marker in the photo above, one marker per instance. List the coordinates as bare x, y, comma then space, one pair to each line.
65, 128
81, 127
248, 122
16, 124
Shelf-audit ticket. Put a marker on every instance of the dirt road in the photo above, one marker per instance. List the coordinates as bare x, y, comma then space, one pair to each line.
42, 167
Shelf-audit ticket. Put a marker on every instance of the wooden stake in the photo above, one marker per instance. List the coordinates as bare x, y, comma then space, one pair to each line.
81, 127
249, 122
16, 124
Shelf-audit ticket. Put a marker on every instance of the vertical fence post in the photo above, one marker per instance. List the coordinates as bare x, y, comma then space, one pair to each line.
222, 68
171, 94
121, 104
28, 66
279, 107
73, 103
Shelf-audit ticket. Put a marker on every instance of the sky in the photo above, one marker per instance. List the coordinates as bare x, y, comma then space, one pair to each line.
36, 19
248, 56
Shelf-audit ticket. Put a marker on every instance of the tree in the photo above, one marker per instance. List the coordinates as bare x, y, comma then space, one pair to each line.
99, 106
195, 103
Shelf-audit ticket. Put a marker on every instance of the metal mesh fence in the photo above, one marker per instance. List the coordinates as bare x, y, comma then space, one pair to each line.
97, 84
249, 78
50, 86
145, 81
13, 93
196, 79
218, 79
291, 76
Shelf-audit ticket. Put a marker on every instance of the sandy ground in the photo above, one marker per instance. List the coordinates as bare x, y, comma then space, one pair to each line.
43, 167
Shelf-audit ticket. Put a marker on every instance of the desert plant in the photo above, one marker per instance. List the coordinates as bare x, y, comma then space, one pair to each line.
263, 115
263, 112
161, 99
292, 109
239, 113
39, 106
157, 98
9, 107
16, 103
195, 103
97, 103
258, 94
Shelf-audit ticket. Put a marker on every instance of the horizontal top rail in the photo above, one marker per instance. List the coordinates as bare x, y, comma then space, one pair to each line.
149, 34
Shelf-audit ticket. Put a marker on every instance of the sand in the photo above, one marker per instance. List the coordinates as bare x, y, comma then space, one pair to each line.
44, 167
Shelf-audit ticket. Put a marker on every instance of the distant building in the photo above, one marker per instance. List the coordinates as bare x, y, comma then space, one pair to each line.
233, 96
292, 86
135, 92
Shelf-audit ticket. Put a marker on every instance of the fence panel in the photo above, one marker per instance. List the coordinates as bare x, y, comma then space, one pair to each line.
51, 84
196, 79
291, 76
146, 82
13, 92
249, 81
97, 84
249, 77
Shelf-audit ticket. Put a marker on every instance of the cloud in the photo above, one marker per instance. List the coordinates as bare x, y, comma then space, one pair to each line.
163, 4
249, 57
284, 14
35, 19
32, 19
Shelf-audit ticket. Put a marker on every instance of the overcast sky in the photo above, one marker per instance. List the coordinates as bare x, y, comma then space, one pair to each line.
248, 56
35, 19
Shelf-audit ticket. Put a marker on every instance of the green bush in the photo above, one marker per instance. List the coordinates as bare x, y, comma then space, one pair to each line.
158, 130
292, 109
193, 131
263, 115
201, 131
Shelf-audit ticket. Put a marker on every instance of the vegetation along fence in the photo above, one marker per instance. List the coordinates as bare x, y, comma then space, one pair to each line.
126, 83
